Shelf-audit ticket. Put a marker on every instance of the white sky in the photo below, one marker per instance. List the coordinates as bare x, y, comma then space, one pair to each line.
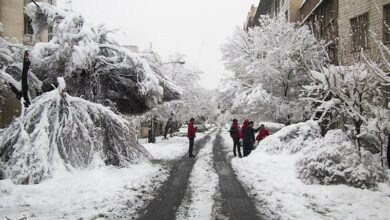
195, 28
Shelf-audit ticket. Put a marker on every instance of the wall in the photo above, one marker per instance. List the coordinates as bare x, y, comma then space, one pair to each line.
12, 17
349, 9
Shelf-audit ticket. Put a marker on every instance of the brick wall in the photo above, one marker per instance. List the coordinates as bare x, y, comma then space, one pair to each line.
349, 9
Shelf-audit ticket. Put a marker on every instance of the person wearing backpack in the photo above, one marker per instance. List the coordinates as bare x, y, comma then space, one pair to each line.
235, 135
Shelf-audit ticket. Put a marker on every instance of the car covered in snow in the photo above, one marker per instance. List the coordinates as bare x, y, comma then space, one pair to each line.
182, 131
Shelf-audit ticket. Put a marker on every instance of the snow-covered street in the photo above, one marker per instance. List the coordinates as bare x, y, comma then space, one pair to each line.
270, 182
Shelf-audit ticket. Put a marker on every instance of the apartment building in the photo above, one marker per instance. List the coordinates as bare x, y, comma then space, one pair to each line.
249, 22
287, 8
16, 24
322, 17
361, 23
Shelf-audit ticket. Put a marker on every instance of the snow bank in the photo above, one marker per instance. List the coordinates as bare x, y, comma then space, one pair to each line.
202, 188
272, 181
272, 126
107, 192
59, 132
291, 139
335, 160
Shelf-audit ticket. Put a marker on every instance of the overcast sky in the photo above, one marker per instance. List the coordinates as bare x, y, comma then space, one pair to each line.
195, 28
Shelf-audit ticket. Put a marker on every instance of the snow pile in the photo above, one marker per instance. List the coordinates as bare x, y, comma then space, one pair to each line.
292, 139
107, 192
59, 131
335, 160
280, 194
93, 64
272, 126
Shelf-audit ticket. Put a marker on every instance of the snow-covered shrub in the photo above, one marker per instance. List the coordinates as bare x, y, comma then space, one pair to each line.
292, 138
93, 64
335, 160
59, 131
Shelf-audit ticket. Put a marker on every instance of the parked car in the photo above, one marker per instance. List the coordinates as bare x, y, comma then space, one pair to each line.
201, 128
182, 131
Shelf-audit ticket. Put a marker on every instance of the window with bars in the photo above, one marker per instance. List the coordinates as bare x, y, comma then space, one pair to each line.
386, 91
386, 23
359, 27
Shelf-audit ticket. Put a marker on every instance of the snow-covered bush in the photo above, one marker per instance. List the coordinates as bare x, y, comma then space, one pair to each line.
270, 65
292, 138
59, 131
353, 92
93, 64
335, 160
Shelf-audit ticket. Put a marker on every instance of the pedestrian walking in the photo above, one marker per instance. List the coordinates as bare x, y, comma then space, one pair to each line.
235, 134
191, 134
263, 133
249, 138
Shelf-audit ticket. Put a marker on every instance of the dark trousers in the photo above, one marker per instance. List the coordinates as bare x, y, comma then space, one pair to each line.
236, 147
191, 148
247, 148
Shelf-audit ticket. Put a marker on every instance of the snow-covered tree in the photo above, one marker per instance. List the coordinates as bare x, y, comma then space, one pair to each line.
59, 131
69, 131
196, 100
93, 64
271, 62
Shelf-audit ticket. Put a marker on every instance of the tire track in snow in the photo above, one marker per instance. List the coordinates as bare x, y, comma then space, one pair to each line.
236, 203
199, 199
165, 205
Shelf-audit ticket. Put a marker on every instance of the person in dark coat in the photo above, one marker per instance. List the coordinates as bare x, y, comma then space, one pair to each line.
235, 134
191, 136
263, 133
249, 138
388, 151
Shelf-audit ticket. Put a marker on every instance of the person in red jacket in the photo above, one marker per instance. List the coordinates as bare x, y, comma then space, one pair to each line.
191, 136
235, 134
243, 128
263, 133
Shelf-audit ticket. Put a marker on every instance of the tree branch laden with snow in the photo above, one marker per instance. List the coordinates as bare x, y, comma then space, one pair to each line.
59, 131
93, 64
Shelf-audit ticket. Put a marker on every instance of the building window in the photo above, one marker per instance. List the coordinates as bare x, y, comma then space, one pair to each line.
386, 23
359, 27
386, 91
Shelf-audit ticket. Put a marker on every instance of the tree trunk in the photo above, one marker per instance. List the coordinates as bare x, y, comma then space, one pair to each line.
26, 67
358, 125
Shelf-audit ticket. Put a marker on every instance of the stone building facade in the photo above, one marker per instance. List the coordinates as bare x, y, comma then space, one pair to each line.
360, 24
322, 18
16, 28
287, 8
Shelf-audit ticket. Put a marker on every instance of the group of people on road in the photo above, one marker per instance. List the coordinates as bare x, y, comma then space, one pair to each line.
245, 136
242, 136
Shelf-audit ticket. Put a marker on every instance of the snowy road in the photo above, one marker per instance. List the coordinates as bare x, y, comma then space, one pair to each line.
202, 188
